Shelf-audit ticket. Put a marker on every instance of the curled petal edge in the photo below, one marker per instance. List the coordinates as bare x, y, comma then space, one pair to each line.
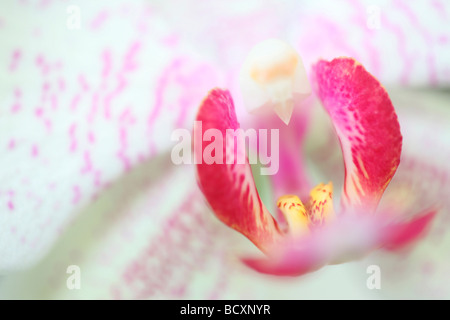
367, 127
229, 186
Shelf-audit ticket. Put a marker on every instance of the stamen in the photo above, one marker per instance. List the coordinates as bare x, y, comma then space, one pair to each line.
320, 207
269, 69
273, 77
295, 214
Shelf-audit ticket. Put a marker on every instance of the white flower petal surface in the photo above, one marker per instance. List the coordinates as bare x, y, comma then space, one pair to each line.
80, 108
86, 116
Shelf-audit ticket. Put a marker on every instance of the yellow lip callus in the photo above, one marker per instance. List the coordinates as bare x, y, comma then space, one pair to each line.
319, 210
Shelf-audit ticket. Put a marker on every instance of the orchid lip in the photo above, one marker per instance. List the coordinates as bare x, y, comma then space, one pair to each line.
368, 130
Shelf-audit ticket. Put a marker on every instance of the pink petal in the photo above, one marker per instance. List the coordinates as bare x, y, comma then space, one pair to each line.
339, 241
229, 188
351, 237
290, 263
292, 176
367, 127
396, 236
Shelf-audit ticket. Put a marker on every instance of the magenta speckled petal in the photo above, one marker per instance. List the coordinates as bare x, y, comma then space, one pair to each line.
367, 127
230, 188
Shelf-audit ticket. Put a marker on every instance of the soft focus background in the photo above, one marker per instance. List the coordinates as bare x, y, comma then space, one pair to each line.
90, 92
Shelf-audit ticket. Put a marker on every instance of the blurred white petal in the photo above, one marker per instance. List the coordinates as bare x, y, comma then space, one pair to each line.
77, 115
85, 113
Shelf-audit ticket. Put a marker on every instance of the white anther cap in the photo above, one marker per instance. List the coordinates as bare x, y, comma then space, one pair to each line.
273, 76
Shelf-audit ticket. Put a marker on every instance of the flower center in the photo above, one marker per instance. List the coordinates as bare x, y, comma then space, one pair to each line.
318, 211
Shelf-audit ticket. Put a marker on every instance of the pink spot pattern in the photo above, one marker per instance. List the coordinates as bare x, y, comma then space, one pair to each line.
15, 59
87, 114
84, 120
154, 273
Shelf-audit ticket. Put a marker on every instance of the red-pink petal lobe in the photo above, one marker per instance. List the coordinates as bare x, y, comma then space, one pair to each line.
331, 244
350, 237
288, 261
397, 236
230, 188
367, 127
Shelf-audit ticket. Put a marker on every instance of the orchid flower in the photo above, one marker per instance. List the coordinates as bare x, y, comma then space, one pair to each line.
366, 124
90, 93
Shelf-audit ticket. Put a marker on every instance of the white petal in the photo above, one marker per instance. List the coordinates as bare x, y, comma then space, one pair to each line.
80, 108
